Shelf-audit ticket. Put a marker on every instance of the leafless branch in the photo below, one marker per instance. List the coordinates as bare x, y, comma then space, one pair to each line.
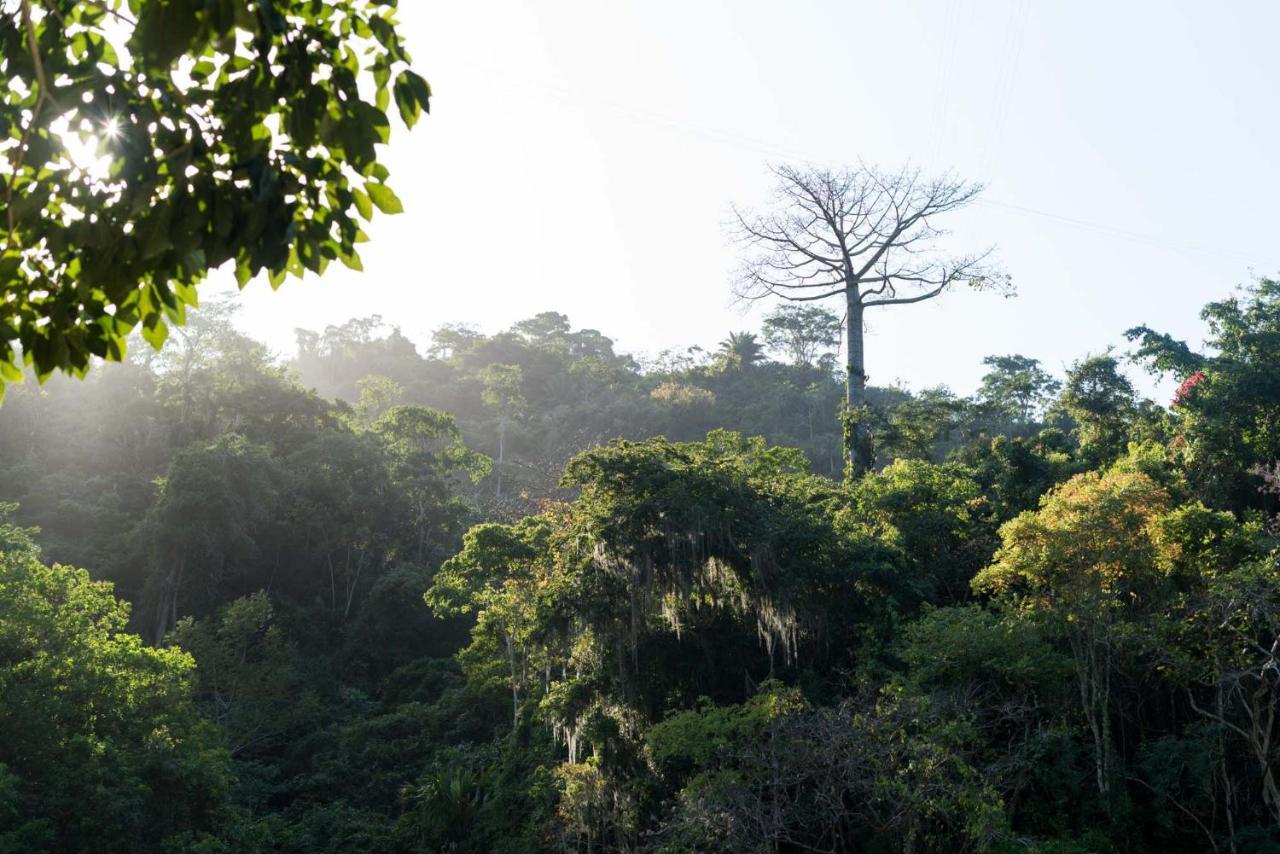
861, 232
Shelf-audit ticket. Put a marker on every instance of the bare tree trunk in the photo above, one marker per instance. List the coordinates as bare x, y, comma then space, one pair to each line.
856, 439
333, 587
1261, 722
1228, 789
167, 606
351, 586
502, 455
515, 687
1095, 703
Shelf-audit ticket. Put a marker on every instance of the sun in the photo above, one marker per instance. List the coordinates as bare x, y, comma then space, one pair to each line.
86, 144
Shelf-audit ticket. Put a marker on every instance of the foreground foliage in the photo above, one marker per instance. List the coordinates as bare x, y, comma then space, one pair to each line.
147, 144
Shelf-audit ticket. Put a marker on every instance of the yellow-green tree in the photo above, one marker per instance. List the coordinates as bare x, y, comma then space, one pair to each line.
1090, 556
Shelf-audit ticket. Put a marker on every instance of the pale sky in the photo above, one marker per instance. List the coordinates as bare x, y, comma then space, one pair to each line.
582, 157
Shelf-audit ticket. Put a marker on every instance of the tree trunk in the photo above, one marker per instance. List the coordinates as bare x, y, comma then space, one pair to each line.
857, 441
1095, 701
502, 456
515, 687
167, 605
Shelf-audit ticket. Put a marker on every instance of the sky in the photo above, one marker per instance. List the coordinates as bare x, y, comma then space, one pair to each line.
582, 157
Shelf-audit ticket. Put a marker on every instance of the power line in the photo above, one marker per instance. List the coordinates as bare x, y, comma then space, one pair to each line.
942, 83
650, 117
1135, 236
1006, 80
768, 149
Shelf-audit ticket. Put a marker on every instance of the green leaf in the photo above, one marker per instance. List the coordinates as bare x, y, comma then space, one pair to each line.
412, 97
363, 205
155, 333
294, 264
384, 198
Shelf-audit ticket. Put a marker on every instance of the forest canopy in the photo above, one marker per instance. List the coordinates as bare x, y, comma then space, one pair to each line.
521, 591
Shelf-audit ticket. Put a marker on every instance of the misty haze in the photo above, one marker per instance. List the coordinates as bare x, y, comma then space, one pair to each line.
663, 427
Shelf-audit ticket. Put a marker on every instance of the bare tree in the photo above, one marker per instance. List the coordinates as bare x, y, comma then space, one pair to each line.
868, 236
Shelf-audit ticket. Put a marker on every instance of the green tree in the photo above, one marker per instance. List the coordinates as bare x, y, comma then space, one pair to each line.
914, 426
202, 531
377, 395
777, 773
341, 521
496, 576
503, 395
427, 459
334, 361
939, 518
1017, 387
1227, 410
803, 332
250, 683
548, 327
1016, 472
1101, 402
725, 545
1220, 642
453, 339
101, 747
228, 132
1095, 556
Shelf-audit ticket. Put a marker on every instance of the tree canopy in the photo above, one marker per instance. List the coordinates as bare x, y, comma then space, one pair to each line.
149, 144
103, 747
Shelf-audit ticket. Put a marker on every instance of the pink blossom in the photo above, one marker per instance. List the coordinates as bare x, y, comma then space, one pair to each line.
1184, 391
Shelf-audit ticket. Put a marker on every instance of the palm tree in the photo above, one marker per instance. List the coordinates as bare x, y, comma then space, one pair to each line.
740, 350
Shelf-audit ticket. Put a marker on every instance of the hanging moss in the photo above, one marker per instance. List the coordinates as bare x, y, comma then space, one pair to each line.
695, 546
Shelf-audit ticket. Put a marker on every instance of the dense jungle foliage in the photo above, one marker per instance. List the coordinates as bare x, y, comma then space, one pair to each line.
523, 592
